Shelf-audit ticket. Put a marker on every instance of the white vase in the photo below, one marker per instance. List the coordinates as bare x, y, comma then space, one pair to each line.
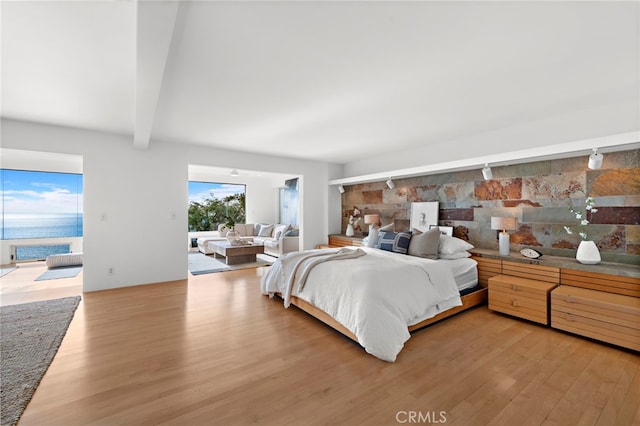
349, 232
588, 253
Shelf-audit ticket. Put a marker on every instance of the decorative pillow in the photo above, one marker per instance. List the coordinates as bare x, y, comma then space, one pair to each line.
292, 233
279, 230
425, 244
458, 255
397, 242
265, 231
451, 245
388, 228
372, 238
258, 227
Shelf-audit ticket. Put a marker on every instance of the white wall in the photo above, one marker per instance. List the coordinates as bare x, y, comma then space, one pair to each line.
135, 220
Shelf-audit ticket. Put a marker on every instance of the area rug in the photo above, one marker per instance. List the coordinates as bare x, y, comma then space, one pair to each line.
60, 272
202, 264
31, 334
4, 270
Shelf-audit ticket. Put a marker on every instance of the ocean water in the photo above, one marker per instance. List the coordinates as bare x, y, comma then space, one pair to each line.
44, 225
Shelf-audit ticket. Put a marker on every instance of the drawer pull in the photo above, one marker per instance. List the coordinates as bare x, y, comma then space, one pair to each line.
516, 302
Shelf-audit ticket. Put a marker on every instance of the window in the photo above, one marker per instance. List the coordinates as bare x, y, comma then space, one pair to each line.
39, 205
213, 204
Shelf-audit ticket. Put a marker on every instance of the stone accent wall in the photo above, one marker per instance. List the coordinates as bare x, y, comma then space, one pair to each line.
538, 194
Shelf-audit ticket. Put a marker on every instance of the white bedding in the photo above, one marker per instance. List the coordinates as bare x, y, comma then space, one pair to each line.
378, 295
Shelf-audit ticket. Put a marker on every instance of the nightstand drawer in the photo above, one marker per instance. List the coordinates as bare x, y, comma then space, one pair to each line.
521, 297
612, 318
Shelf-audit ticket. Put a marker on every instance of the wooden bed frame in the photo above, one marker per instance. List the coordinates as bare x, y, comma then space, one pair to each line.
470, 300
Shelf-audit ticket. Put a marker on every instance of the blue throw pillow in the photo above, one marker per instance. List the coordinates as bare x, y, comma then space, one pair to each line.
397, 242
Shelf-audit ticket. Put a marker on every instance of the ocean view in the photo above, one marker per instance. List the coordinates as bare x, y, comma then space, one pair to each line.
41, 225
44, 225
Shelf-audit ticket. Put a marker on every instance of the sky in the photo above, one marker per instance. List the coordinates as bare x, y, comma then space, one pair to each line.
198, 191
27, 192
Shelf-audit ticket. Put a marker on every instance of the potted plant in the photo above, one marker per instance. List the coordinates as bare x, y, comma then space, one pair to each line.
588, 252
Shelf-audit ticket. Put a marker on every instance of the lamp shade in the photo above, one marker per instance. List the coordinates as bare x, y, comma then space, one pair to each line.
371, 218
503, 223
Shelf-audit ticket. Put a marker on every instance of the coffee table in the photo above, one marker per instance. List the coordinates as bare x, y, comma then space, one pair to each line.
234, 255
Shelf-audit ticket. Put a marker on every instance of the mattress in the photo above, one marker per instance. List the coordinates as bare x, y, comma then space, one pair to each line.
465, 272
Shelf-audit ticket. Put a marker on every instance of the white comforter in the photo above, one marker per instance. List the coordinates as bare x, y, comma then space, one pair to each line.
375, 296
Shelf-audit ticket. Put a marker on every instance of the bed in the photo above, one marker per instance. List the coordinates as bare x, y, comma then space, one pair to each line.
372, 296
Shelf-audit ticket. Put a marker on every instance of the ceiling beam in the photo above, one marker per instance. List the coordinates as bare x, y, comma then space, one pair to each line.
155, 26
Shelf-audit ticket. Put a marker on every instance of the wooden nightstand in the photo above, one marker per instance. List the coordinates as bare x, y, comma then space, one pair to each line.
600, 306
598, 301
336, 240
521, 297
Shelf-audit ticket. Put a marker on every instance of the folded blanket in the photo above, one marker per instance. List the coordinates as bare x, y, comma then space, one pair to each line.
296, 267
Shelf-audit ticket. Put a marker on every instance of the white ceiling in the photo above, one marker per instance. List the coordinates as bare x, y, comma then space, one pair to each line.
317, 80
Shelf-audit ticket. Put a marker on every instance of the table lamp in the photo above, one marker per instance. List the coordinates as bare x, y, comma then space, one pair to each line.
503, 224
371, 220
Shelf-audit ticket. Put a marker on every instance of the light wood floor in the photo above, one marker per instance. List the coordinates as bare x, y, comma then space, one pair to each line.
214, 351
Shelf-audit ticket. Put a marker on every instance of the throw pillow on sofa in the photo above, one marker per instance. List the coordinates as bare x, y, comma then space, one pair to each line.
258, 227
265, 231
279, 230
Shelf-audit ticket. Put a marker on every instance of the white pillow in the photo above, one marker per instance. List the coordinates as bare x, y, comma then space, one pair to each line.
279, 230
265, 231
370, 240
451, 245
390, 227
458, 255
256, 229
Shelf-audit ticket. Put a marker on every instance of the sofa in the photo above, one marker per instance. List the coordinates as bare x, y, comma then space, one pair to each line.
277, 239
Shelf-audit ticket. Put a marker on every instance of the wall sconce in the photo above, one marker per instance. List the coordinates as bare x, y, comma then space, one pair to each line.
341, 189
595, 160
390, 184
486, 172
371, 220
234, 172
504, 224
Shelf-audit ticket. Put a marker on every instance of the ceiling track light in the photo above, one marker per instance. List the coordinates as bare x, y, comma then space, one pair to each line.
595, 160
390, 184
341, 189
486, 172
